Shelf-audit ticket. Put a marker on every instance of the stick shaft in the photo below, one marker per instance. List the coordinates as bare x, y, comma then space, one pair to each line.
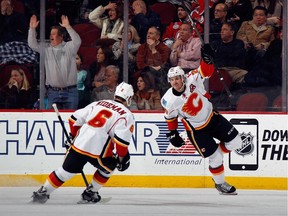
202, 42
68, 138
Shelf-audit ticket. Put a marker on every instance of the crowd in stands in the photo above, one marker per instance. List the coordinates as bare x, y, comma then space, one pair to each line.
246, 36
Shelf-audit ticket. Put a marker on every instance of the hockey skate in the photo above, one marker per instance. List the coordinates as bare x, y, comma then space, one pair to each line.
88, 196
40, 196
226, 189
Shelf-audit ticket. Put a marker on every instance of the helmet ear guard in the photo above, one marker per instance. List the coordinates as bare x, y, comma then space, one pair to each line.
175, 71
125, 91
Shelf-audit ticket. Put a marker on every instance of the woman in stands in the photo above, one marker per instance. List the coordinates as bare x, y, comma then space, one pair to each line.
111, 25
16, 94
146, 96
133, 45
104, 58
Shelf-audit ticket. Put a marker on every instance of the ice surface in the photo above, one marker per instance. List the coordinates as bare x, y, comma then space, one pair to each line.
145, 201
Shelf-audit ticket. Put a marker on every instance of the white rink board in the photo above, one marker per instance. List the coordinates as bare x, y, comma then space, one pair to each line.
32, 143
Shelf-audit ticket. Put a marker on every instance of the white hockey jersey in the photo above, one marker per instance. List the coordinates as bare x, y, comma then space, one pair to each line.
192, 104
104, 125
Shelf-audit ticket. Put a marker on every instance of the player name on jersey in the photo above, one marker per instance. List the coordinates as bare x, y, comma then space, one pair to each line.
112, 106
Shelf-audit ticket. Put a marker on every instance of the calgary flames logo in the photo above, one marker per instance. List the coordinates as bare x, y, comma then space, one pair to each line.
193, 104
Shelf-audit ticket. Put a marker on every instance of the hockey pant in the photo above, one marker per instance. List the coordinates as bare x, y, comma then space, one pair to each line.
204, 141
74, 163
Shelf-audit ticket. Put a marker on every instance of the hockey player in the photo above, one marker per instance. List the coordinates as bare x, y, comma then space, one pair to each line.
188, 100
102, 132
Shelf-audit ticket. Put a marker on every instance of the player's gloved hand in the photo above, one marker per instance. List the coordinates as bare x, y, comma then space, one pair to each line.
124, 164
207, 54
110, 162
175, 139
68, 142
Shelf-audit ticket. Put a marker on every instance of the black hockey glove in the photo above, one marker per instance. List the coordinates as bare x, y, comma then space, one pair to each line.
69, 141
110, 162
175, 139
207, 54
124, 164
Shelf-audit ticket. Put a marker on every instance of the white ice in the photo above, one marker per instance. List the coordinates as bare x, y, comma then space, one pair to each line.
145, 201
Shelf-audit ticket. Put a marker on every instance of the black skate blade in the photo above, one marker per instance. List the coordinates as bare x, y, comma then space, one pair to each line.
103, 200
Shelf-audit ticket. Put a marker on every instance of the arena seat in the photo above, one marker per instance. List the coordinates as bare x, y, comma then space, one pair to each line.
88, 33
89, 55
166, 10
277, 103
252, 102
18, 6
216, 85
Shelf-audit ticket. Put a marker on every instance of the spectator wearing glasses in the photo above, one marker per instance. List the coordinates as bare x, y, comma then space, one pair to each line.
220, 16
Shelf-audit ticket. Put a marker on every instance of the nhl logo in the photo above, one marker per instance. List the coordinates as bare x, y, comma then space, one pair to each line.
247, 144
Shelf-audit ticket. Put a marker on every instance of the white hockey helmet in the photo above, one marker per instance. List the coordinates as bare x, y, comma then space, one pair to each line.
125, 91
175, 71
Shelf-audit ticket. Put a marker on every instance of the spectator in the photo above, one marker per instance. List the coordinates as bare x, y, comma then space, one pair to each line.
60, 66
153, 53
87, 6
83, 82
107, 90
220, 16
133, 45
146, 96
153, 56
230, 53
112, 25
256, 35
186, 49
133, 42
269, 72
13, 25
143, 19
17, 93
239, 11
172, 31
272, 61
274, 10
97, 68
197, 11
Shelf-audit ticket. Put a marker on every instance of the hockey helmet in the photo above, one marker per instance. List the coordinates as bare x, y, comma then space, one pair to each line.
125, 91
175, 71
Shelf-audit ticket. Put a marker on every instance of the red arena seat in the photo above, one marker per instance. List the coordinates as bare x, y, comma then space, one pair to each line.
252, 102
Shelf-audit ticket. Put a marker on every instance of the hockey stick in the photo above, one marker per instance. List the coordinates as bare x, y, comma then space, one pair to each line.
203, 43
67, 137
